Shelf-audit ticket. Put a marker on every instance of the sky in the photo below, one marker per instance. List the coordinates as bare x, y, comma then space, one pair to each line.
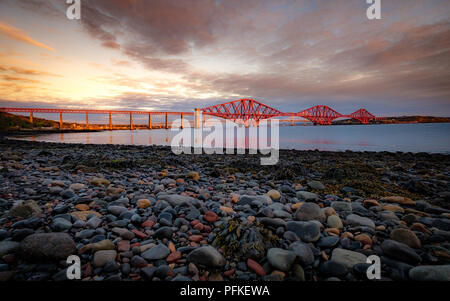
174, 55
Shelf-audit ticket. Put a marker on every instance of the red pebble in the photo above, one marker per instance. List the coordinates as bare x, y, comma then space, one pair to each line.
136, 244
199, 227
139, 234
195, 238
228, 273
173, 257
148, 223
256, 267
123, 246
195, 222
211, 217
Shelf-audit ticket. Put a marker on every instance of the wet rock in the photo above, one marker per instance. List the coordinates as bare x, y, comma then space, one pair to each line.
60, 224
307, 231
280, 259
333, 268
407, 237
25, 209
274, 194
398, 199
303, 252
8, 247
104, 256
347, 258
400, 251
206, 256
430, 273
333, 221
341, 206
310, 211
356, 220
47, 246
307, 196
157, 252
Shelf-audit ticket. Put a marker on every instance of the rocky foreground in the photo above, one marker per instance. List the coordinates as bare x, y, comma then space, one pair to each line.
142, 213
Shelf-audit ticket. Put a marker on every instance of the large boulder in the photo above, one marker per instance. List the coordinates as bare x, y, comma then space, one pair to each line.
47, 246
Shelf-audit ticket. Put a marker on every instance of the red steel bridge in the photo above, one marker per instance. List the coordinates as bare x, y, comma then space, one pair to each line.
240, 111
244, 110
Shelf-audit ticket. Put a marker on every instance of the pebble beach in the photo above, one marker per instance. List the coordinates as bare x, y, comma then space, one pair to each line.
137, 213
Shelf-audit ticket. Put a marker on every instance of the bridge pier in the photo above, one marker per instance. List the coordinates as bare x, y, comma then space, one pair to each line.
31, 117
60, 120
181, 126
110, 121
131, 121
149, 121
197, 118
87, 120
167, 121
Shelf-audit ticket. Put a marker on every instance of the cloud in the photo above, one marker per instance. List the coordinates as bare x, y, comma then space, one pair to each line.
20, 35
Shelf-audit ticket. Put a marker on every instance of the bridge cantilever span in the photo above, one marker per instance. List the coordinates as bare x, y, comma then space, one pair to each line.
249, 109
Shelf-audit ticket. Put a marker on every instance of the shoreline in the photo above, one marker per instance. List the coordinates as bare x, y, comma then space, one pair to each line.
142, 213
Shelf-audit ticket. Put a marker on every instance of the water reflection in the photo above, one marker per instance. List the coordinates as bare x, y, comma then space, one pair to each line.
401, 137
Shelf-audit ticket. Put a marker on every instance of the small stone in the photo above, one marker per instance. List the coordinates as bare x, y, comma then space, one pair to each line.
25, 209
303, 252
173, 257
347, 258
307, 231
82, 207
256, 267
211, 217
103, 256
99, 181
370, 203
420, 228
123, 246
206, 256
157, 252
356, 220
398, 199
47, 246
316, 185
274, 194
393, 208
341, 206
333, 221
333, 268
143, 203
280, 259
307, 196
60, 224
308, 212
430, 273
407, 237
400, 251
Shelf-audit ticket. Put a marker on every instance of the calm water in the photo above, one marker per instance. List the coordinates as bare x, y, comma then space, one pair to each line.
433, 138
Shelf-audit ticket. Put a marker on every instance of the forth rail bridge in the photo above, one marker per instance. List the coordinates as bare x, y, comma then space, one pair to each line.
243, 111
